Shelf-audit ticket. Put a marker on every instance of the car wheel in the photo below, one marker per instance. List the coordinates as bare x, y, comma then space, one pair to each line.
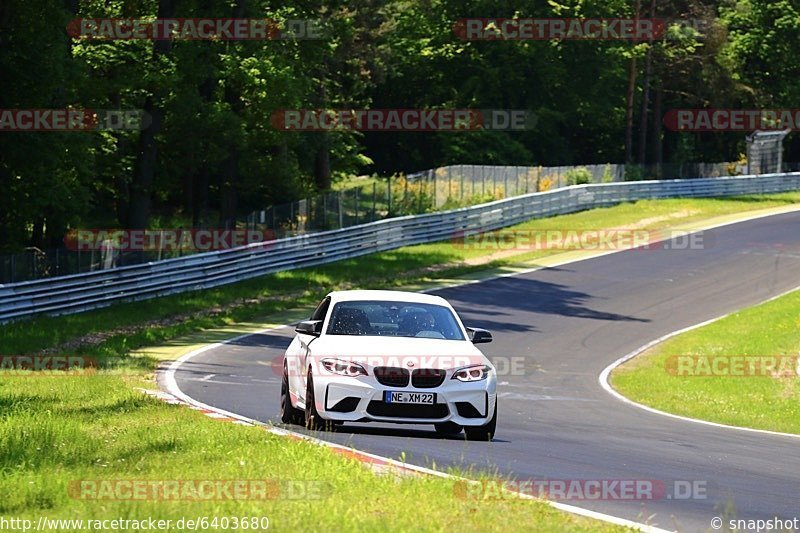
447, 428
484, 432
312, 418
289, 413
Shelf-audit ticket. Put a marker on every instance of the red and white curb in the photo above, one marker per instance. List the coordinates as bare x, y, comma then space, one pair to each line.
173, 394
378, 464
385, 464
172, 400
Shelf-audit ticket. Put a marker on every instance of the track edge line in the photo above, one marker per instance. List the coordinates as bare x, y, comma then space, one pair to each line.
167, 380
169, 383
604, 376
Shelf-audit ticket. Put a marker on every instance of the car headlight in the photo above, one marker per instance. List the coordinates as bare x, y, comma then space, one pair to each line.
343, 368
472, 373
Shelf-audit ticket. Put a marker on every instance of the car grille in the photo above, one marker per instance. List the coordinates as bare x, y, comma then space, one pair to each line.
391, 376
427, 378
400, 410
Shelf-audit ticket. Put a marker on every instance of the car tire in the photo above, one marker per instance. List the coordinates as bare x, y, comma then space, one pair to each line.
289, 413
447, 428
313, 420
484, 432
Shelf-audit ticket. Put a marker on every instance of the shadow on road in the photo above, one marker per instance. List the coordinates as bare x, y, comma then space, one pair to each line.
517, 295
266, 340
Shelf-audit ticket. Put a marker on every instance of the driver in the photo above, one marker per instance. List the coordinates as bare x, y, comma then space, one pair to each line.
417, 321
425, 322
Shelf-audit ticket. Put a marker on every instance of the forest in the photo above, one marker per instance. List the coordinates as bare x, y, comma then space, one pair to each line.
209, 150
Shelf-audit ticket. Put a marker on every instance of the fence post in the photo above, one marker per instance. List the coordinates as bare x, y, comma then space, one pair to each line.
339, 199
389, 196
357, 189
419, 196
435, 192
374, 199
449, 182
526, 179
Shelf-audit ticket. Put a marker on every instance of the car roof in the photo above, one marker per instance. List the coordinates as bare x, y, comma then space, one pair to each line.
393, 296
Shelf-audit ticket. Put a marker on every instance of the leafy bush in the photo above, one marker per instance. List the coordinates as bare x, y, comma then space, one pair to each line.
578, 176
411, 197
734, 168
634, 173
455, 202
545, 184
608, 176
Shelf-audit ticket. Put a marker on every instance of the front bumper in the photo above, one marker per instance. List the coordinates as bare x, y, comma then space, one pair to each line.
361, 399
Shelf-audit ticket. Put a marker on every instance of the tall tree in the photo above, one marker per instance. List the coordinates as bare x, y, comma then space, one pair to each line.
630, 94
645, 106
144, 169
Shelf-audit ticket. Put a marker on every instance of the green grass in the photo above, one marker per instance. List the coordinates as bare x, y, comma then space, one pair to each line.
358, 181
761, 402
303, 288
58, 429
55, 431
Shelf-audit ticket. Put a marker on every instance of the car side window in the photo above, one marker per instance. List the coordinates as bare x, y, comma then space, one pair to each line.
321, 310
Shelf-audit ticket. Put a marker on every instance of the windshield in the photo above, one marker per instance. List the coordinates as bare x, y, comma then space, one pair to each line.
394, 319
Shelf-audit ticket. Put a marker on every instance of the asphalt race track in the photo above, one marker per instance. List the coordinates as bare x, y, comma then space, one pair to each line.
555, 421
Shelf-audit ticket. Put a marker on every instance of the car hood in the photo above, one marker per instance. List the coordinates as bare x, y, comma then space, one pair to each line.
399, 351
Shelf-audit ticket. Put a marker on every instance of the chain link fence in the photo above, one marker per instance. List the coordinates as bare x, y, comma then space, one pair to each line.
455, 186
460, 183
765, 151
378, 198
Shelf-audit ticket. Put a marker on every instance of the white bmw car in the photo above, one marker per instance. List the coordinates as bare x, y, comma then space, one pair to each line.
389, 356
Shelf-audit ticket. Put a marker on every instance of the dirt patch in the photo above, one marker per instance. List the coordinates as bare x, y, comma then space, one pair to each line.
643, 223
502, 254
97, 338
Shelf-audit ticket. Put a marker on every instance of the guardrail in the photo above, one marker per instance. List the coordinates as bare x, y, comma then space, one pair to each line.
91, 290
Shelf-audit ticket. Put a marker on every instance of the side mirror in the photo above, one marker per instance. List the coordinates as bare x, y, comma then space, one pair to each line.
309, 327
479, 336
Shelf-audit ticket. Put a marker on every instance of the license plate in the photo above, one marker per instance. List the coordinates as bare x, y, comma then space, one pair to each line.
409, 397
